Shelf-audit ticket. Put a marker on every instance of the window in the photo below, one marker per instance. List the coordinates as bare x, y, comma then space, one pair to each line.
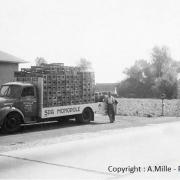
10, 91
4, 90
28, 91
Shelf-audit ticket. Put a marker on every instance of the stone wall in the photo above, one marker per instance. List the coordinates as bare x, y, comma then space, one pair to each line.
147, 107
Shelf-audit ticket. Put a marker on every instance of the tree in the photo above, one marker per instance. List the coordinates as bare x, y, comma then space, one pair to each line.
138, 82
164, 70
40, 61
139, 71
84, 64
160, 60
150, 80
167, 83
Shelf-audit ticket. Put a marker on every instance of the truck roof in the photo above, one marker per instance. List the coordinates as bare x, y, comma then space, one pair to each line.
18, 83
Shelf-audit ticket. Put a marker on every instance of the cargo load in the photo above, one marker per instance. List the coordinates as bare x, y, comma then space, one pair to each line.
62, 85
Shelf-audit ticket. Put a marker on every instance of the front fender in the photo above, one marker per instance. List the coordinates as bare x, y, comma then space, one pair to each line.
6, 110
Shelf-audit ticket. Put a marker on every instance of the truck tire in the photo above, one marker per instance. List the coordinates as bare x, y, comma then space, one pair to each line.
11, 123
86, 116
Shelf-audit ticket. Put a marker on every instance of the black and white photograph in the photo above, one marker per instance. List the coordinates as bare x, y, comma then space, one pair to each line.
90, 89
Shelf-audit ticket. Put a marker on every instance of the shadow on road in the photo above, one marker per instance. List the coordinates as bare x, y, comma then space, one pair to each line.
45, 126
71, 126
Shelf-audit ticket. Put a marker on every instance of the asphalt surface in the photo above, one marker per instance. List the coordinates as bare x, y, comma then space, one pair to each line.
52, 133
150, 152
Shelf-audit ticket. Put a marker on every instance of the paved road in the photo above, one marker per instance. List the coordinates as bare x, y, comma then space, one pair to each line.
102, 155
43, 134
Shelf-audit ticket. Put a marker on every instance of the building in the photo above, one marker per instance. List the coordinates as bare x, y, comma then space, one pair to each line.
8, 65
106, 87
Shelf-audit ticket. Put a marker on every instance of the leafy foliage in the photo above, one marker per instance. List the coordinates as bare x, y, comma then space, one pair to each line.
84, 64
40, 61
150, 80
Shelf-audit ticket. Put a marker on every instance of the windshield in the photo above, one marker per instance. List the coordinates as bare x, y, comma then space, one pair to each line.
10, 91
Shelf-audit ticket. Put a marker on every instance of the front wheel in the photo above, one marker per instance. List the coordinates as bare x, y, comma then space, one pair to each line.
86, 116
11, 123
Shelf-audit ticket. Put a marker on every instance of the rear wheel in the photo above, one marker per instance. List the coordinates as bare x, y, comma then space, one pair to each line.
86, 116
11, 123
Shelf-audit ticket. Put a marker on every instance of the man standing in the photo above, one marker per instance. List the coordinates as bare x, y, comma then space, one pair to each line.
110, 101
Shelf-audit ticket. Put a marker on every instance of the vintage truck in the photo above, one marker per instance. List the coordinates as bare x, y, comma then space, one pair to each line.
23, 103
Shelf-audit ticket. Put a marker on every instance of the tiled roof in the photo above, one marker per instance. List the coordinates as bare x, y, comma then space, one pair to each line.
5, 57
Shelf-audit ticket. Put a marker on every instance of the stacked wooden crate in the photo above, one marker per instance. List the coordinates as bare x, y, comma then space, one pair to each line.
62, 85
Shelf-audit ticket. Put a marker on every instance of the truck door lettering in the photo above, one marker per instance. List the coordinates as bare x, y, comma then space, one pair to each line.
49, 112
68, 110
28, 106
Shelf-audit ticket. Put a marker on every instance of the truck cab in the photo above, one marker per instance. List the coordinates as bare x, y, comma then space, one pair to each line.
18, 104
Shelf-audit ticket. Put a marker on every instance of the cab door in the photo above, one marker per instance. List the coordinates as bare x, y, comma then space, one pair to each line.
29, 101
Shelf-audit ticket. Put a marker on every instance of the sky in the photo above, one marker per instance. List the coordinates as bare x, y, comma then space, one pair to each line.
112, 34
